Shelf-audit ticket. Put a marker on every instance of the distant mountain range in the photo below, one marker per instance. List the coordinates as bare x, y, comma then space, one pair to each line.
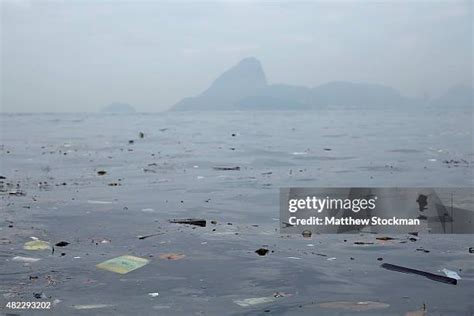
245, 87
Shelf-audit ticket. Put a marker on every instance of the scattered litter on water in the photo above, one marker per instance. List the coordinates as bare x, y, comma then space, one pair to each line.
295, 258
101, 172
154, 294
123, 264
306, 233
431, 276
331, 259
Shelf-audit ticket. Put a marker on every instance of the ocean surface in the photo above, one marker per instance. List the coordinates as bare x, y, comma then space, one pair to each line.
52, 191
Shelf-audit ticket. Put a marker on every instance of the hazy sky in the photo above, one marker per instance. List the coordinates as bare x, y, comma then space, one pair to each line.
81, 55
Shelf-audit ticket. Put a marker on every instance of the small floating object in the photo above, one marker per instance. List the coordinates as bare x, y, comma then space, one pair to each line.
236, 168
25, 259
172, 256
98, 202
254, 301
123, 264
190, 221
154, 294
37, 245
451, 274
431, 276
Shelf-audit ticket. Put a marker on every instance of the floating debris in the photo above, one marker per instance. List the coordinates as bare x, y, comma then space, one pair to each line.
98, 202
363, 243
423, 250
154, 294
151, 235
25, 259
227, 168
123, 264
172, 256
255, 301
306, 233
141, 135
5, 241
101, 172
471, 249
62, 244
355, 306
261, 251
431, 276
451, 274
36, 245
385, 238
190, 221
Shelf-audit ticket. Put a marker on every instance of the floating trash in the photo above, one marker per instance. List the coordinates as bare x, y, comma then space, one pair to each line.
451, 274
254, 301
154, 294
98, 202
92, 306
189, 221
172, 256
431, 276
25, 259
36, 245
62, 244
123, 264
227, 168
261, 251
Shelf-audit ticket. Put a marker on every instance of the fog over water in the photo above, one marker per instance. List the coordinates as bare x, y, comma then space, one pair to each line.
82, 55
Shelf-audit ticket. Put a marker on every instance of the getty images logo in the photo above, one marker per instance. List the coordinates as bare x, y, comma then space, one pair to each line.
319, 205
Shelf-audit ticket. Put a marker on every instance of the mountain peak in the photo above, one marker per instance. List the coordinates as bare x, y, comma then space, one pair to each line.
246, 75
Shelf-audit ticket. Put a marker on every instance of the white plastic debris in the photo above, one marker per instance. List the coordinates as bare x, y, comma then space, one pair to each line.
25, 259
254, 301
98, 202
451, 274
154, 294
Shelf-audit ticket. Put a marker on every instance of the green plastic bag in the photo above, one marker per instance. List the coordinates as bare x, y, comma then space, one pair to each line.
123, 264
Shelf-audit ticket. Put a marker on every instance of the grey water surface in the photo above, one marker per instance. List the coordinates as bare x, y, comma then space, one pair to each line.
52, 191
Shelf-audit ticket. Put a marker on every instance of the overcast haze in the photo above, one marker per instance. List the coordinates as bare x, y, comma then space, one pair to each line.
81, 55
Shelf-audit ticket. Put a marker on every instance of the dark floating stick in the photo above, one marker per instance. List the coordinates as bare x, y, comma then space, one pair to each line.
431, 276
189, 221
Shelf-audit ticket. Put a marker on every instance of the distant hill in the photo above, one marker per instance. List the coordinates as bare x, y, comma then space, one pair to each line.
458, 96
118, 107
245, 87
